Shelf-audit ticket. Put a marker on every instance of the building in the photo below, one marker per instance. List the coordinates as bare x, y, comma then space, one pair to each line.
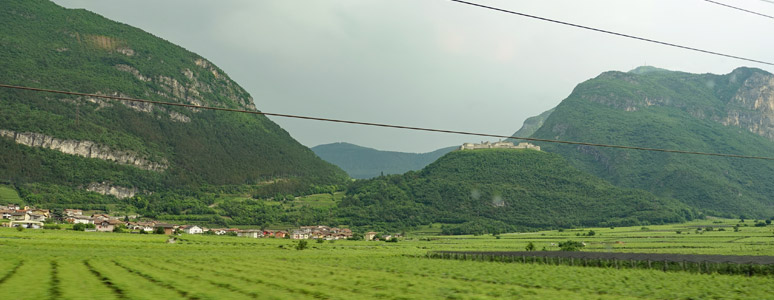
168, 228
108, 225
72, 212
369, 236
250, 233
300, 235
26, 224
76, 219
498, 145
20, 216
192, 229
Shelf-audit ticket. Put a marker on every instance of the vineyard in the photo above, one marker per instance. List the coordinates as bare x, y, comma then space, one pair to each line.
63, 264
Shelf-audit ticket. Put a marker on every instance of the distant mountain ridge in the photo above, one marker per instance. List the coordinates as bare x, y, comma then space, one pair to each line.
650, 107
362, 162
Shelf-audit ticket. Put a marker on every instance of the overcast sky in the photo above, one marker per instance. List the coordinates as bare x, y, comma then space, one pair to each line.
436, 63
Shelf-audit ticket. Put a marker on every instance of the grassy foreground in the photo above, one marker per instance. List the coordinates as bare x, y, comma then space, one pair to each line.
76, 265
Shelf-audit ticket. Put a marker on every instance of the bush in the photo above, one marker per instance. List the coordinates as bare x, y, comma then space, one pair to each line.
79, 227
571, 246
320, 241
530, 247
301, 245
51, 226
158, 230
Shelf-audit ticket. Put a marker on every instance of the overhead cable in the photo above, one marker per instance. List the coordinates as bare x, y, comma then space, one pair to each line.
383, 125
615, 33
741, 9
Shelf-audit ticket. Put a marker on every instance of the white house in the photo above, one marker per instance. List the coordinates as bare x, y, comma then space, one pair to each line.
300, 235
193, 229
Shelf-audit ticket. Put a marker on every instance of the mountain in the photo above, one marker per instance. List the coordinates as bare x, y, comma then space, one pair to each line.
531, 125
58, 146
361, 162
656, 108
502, 190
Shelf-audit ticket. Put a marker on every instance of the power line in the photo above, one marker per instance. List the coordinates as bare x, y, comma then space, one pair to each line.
615, 33
741, 9
383, 125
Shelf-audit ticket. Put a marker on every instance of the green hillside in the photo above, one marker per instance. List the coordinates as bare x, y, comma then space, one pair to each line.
531, 125
502, 190
656, 108
63, 145
361, 162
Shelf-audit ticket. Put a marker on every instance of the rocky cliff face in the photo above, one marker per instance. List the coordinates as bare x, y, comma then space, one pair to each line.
86, 149
752, 108
106, 188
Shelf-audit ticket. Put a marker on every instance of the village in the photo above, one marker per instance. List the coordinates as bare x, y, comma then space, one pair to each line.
24, 217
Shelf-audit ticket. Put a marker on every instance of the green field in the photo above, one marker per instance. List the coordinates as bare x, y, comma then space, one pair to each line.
61, 264
9, 195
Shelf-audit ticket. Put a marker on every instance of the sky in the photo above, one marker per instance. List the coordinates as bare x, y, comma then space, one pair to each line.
437, 63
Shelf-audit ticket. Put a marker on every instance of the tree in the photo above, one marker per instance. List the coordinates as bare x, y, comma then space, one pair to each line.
591, 233
530, 247
158, 230
571, 246
301, 245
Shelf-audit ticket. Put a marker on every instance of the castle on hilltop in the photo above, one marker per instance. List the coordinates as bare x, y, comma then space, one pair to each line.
498, 145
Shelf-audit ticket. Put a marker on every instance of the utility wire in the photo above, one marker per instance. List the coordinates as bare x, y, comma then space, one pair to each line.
383, 125
614, 33
741, 9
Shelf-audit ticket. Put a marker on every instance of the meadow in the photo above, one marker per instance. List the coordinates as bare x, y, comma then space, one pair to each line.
63, 264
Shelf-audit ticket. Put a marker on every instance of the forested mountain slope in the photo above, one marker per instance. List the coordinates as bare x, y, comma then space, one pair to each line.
52, 143
656, 108
501, 190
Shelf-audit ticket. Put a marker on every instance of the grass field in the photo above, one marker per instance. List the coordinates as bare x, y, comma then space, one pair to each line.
80, 265
9, 195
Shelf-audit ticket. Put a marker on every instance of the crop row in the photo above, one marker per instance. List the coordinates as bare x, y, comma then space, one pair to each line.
733, 265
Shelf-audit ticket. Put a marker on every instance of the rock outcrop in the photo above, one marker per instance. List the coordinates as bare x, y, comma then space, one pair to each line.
87, 149
106, 188
752, 108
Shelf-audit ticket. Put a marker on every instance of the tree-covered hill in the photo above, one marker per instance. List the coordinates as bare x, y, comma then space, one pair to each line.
656, 108
121, 148
499, 190
361, 162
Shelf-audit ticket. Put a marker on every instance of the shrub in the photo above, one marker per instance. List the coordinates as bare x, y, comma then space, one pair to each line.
571, 246
530, 247
79, 227
301, 245
51, 226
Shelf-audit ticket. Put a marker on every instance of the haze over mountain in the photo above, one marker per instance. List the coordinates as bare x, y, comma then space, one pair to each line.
361, 162
63, 145
650, 107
